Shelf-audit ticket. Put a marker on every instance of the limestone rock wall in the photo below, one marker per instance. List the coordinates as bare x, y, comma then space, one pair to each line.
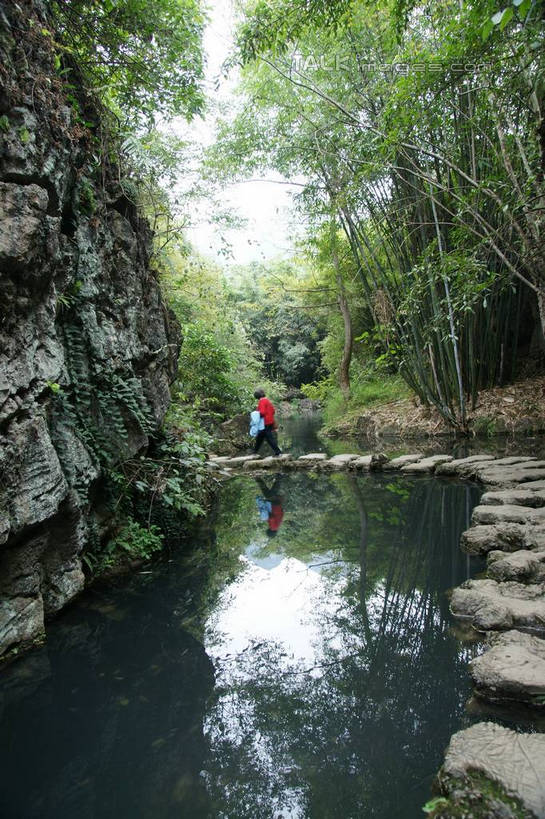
87, 347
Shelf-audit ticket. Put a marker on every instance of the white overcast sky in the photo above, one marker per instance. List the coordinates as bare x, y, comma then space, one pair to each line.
264, 203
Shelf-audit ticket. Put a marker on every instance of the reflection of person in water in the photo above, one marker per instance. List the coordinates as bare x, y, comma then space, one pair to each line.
270, 505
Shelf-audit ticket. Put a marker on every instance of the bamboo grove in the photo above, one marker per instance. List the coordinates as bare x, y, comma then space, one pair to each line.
418, 132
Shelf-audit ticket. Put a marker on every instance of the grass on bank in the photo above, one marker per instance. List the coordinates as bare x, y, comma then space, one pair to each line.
367, 391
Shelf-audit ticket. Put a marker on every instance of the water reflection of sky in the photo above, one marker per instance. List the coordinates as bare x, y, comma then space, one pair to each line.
337, 679
285, 604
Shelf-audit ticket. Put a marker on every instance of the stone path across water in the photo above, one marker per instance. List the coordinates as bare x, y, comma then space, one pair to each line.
508, 606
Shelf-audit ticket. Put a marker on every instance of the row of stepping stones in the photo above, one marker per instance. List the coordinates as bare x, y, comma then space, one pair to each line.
319, 461
508, 606
508, 527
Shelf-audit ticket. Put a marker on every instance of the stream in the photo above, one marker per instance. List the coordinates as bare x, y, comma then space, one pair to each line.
293, 658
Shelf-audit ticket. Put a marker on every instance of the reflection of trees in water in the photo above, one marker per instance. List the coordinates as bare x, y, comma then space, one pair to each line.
362, 734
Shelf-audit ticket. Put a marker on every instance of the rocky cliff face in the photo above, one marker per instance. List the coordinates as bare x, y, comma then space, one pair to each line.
87, 347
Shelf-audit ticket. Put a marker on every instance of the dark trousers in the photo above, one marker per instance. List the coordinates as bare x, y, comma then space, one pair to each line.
268, 435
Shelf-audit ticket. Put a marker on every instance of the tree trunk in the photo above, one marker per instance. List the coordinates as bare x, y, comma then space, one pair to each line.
344, 367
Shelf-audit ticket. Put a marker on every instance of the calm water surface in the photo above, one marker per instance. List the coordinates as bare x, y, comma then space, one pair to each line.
297, 659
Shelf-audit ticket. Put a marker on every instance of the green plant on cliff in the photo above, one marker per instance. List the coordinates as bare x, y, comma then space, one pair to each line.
140, 56
132, 542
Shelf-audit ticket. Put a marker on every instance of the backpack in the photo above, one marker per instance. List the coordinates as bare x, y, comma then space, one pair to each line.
257, 423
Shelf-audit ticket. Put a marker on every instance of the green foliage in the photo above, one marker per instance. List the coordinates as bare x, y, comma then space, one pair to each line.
103, 406
218, 366
136, 541
369, 388
86, 196
140, 56
4, 123
431, 171
283, 334
132, 542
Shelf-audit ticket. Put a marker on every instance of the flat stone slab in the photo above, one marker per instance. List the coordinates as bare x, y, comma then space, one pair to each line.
461, 466
313, 456
511, 670
509, 460
535, 486
508, 513
274, 461
343, 459
523, 566
403, 460
494, 474
368, 462
426, 464
500, 606
508, 537
514, 497
514, 761
241, 459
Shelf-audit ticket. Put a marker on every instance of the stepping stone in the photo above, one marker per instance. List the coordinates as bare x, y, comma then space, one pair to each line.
514, 761
462, 466
219, 459
313, 456
339, 461
242, 459
511, 670
507, 514
535, 486
368, 462
272, 461
514, 497
500, 606
524, 566
426, 464
509, 460
509, 476
508, 537
402, 460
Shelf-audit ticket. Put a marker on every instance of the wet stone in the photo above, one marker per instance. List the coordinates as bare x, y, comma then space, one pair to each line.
512, 669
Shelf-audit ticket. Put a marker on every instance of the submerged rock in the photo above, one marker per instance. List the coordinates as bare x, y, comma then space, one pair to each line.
492, 771
512, 669
493, 605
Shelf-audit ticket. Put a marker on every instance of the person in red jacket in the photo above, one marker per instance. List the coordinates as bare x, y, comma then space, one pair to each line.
266, 410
